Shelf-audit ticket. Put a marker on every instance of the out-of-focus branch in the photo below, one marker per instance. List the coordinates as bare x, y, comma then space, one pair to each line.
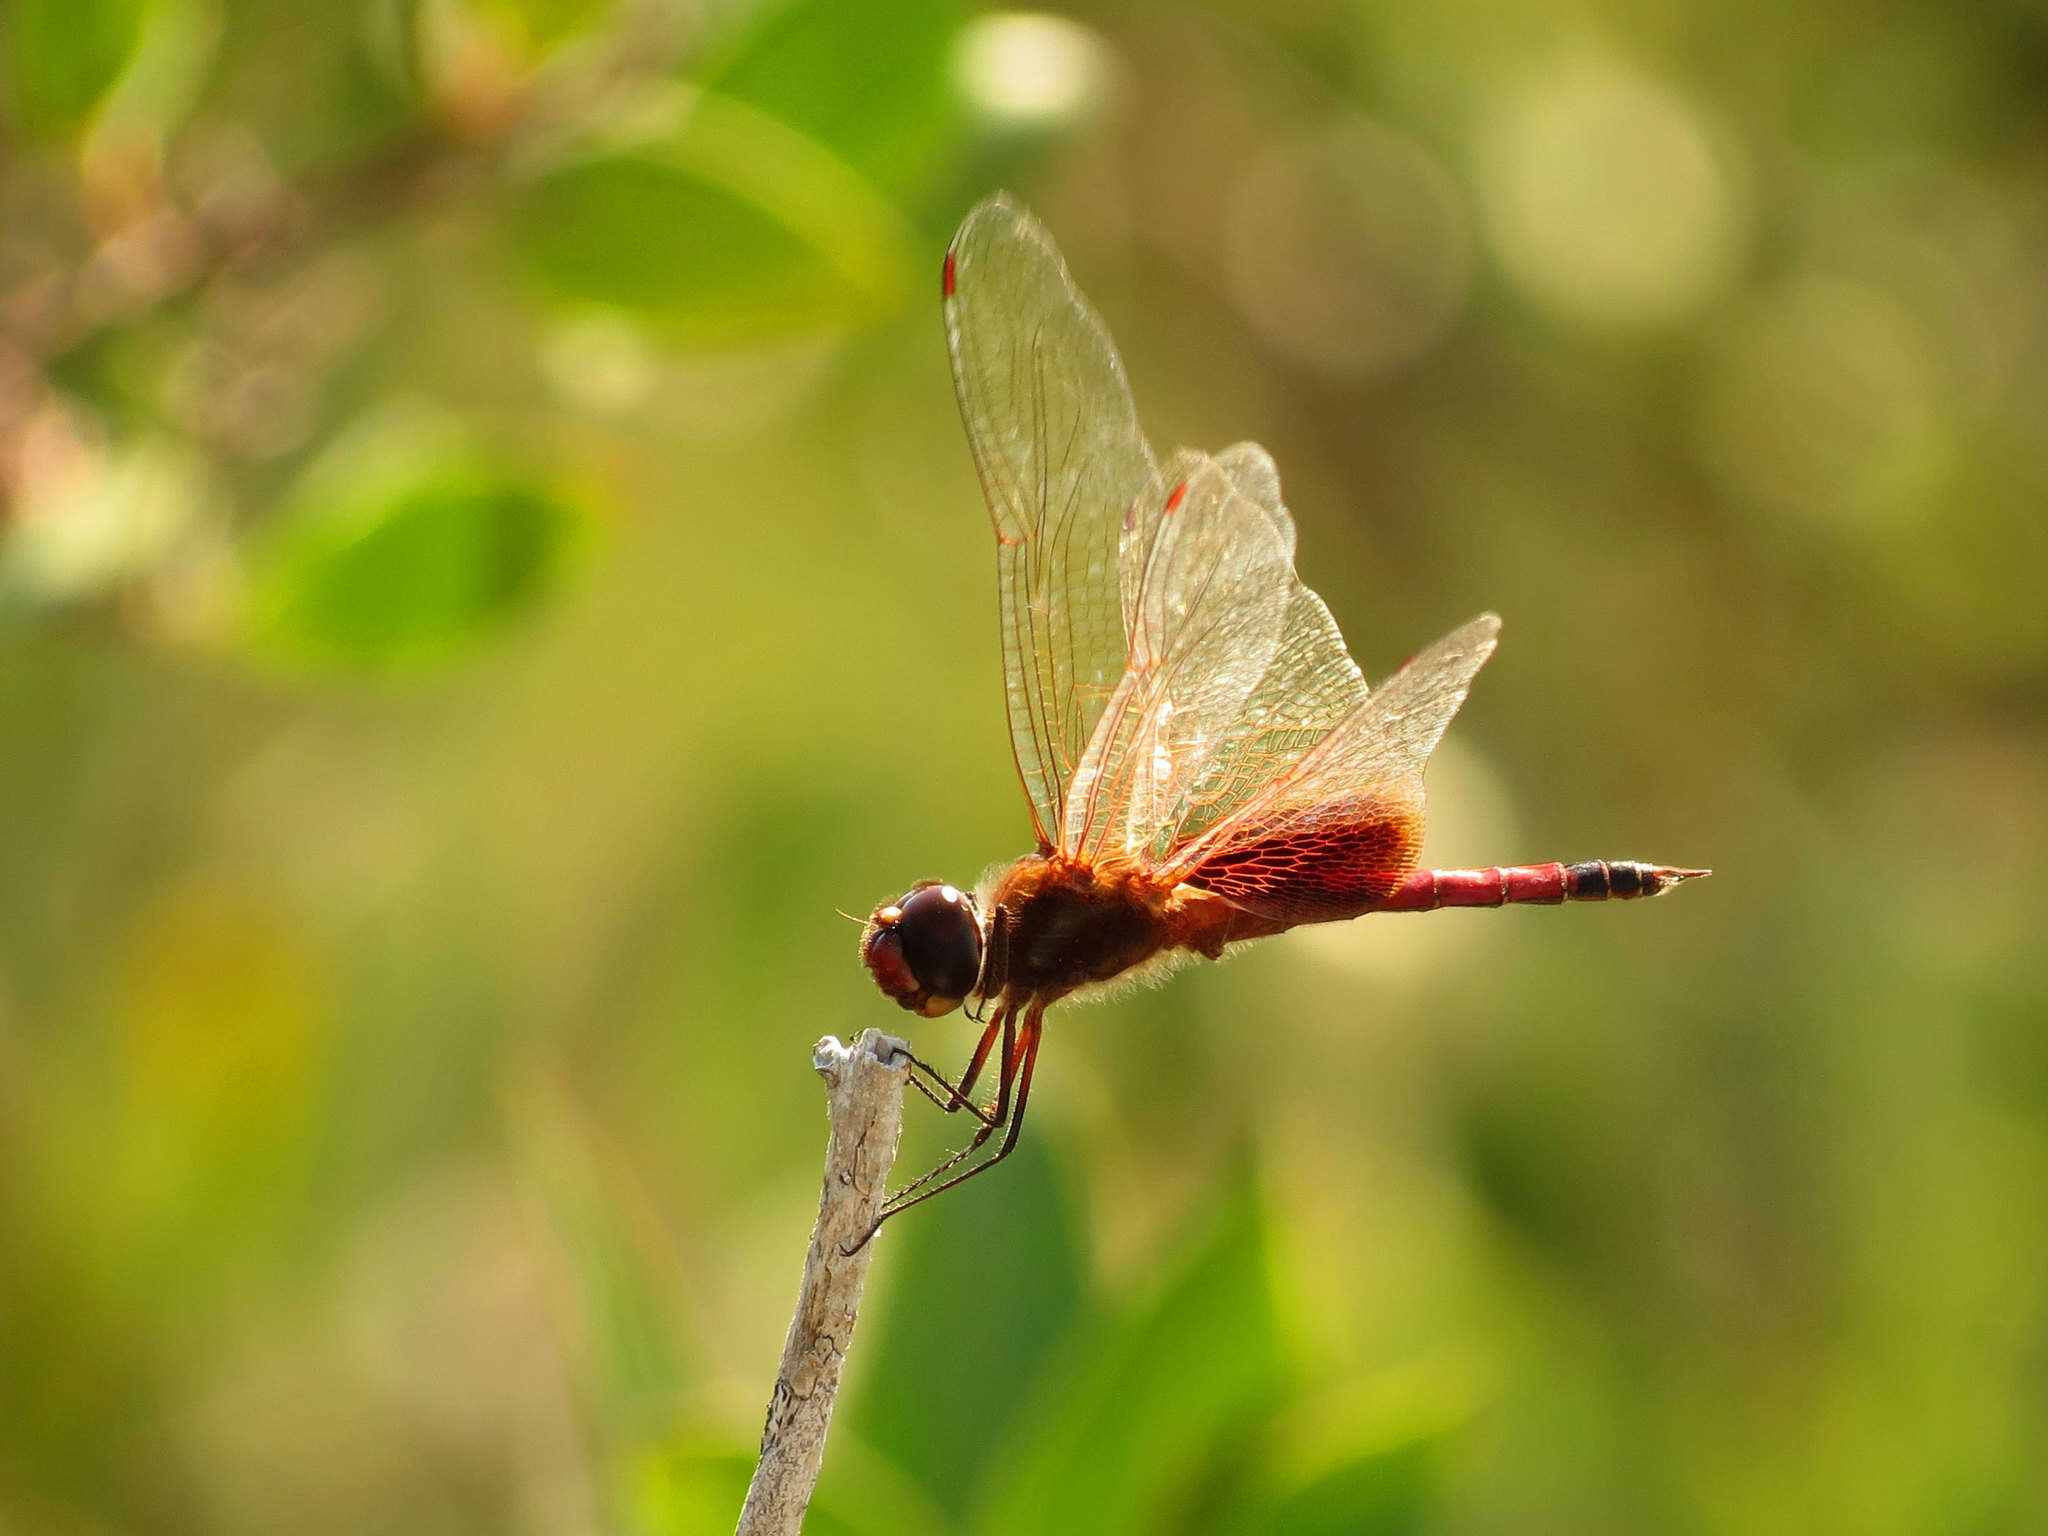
865, 1084
480, 113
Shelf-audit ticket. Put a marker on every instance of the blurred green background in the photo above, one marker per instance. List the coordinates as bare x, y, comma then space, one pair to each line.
490, 563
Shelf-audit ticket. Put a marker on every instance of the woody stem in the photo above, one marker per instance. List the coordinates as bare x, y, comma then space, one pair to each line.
865, 1087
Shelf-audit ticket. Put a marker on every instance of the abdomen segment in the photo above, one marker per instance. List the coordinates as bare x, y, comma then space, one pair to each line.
1425, 890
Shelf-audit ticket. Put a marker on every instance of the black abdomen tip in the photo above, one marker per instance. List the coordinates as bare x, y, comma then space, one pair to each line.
1588, 882
1623, 881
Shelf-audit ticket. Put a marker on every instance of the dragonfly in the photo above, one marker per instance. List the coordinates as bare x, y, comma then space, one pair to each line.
1203, 760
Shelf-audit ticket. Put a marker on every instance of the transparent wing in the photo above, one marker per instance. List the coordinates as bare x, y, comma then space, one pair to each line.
1309, 686
1207, 579
1062, 461
1174, 692
1236, 669
1375, 753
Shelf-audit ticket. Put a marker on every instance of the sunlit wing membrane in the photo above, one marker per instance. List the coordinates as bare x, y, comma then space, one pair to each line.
1375, 755
1326, 861
1309, 687
1062, 460
1208, 581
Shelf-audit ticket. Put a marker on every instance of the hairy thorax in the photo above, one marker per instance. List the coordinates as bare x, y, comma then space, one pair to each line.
1061, 924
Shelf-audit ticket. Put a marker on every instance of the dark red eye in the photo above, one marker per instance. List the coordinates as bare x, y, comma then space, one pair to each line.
942, 940
925, 950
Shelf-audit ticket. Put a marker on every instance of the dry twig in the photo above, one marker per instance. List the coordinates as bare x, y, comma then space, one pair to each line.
865, 1082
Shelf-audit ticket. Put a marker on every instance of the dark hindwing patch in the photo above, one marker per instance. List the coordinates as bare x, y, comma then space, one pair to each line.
1321, 864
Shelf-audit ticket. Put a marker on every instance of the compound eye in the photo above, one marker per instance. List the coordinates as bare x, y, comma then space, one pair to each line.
941, 936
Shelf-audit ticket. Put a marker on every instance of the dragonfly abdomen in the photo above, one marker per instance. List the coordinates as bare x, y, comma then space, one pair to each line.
1425, 890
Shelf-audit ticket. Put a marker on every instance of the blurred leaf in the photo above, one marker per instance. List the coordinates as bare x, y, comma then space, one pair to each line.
988, 1281
642, 233
872, 89
619, 1292
1363, 1456
673, 1490
687, 1487
1380, 1495
409, 564
723, 225
1140, 1415
862, 1494
60, 56
179, 1149
541, 24
316, 84
1536, 1143
171, 61
221, 1009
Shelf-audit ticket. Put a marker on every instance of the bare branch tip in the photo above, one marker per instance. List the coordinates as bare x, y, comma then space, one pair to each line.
887, 1049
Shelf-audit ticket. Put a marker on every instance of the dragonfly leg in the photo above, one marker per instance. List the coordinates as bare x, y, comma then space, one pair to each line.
1018, 1063
990, 1118
1020, 1056
961, 1097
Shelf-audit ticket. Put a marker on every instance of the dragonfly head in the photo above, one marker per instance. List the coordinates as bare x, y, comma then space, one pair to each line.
925, 949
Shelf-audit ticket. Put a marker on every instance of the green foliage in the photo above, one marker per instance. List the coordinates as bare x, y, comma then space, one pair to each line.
1378, 1495
877, 97
979, 1297
542, 24
388, 566
758, 207
1144, 1405
58, 58
725, 229
685, 1487
613, 1285
404, 1119
326, 89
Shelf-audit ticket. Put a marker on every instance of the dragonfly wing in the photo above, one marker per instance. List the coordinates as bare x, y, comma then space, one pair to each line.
1310, 685
1208, 581
1062, 461
1366, 769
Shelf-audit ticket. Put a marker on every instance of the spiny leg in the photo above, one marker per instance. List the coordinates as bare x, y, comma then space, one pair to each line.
1025, 1059
990, 1119
960, 1097
990, 990
963, 1095
908, 1195
944, 1102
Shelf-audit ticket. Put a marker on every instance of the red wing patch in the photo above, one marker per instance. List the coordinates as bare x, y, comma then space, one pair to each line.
1321, 864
